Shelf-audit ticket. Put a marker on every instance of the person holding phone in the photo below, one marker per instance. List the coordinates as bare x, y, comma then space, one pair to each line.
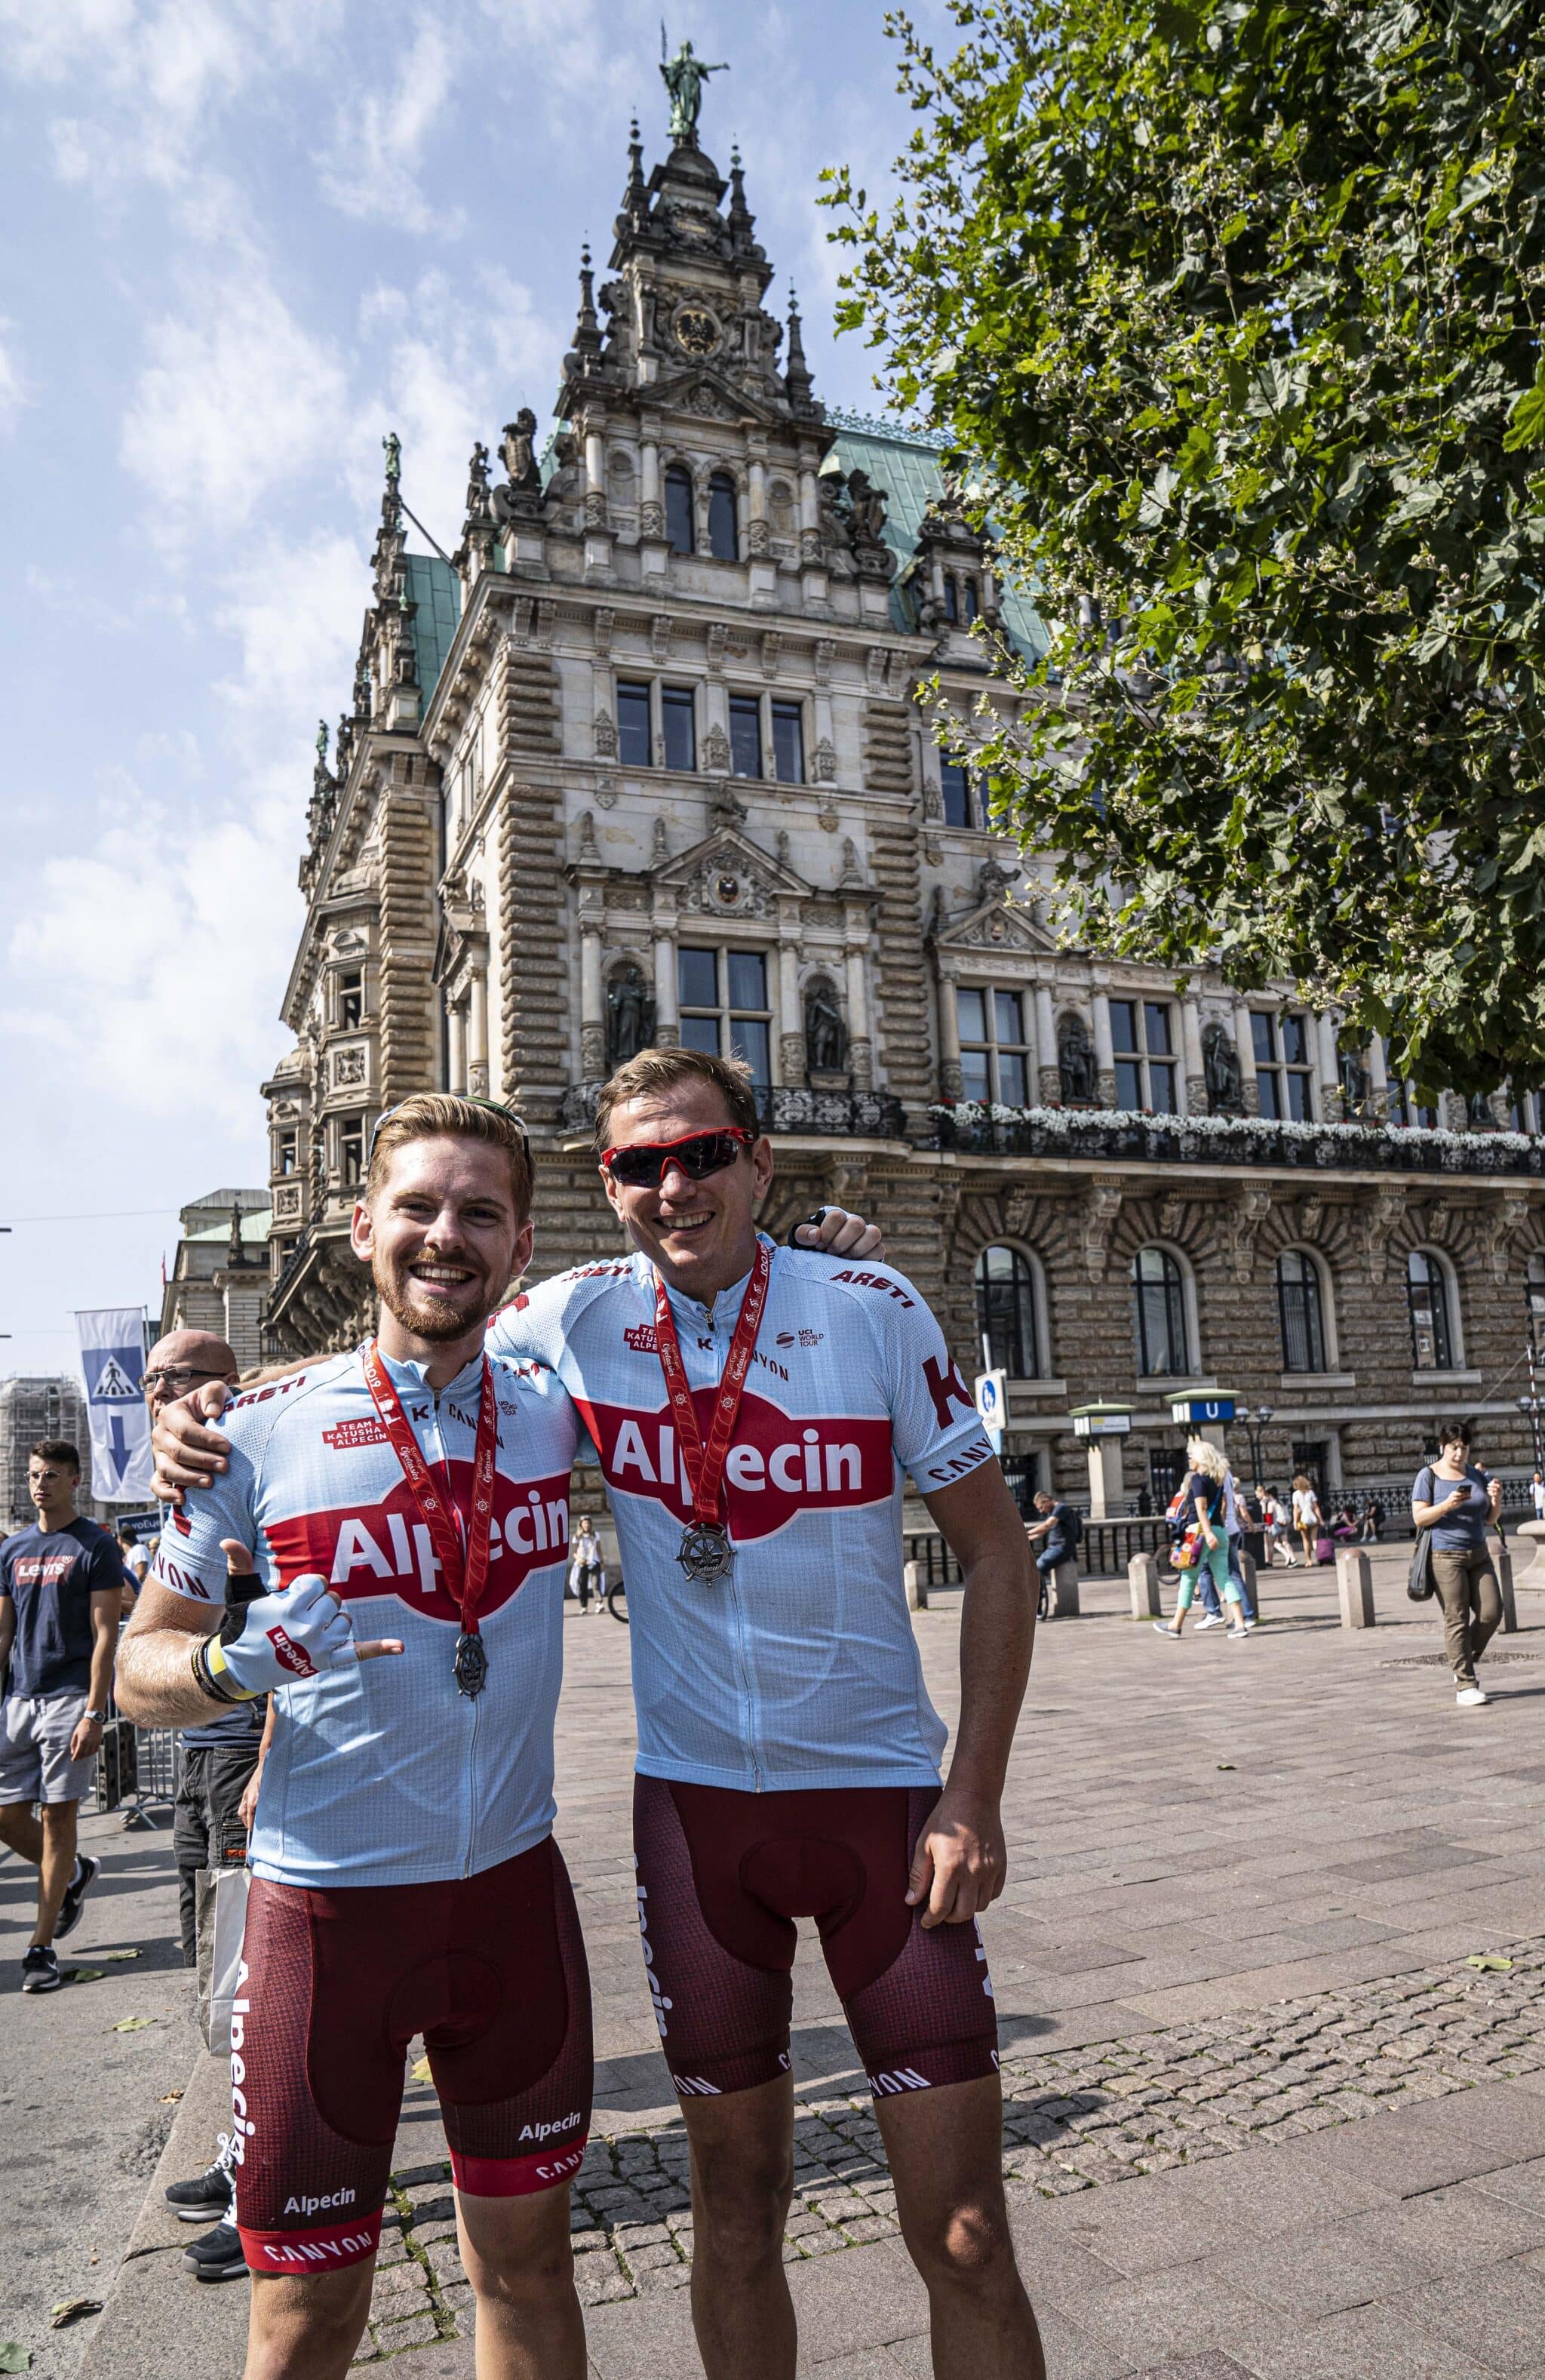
1455, 1499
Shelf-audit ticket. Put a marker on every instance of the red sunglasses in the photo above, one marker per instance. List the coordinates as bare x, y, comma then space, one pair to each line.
642, 1166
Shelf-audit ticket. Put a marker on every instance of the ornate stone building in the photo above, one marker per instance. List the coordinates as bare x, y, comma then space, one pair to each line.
644, 759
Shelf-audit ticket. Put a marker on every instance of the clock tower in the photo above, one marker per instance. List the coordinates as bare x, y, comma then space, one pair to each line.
677, 353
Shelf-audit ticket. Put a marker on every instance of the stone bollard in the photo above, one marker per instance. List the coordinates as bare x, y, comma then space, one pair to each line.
1250, 1574
1143, 1577
1354, 1581
917, 1586
1503, 1560
1533, 1572
1063, 1601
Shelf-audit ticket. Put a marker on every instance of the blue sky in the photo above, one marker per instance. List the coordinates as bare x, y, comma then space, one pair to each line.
247, 236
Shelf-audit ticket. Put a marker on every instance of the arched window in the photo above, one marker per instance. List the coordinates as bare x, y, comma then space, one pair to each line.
724, 540
1427, 1285
678, 509
1299, 1308
1006, 1311
1159, 1298
951, 597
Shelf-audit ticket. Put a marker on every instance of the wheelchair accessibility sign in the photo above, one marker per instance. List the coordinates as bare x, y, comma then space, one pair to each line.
992, 1405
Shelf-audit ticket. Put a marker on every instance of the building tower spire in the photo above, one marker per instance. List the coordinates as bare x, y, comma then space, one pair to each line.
587, 334
796, 372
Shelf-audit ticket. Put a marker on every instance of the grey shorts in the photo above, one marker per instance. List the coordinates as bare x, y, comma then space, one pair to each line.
35, 1764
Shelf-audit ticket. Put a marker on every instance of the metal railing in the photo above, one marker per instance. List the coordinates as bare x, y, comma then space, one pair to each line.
1084, 1133
831, 1115
138, 1768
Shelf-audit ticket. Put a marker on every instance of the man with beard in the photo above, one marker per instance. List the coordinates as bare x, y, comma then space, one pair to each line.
404, 1877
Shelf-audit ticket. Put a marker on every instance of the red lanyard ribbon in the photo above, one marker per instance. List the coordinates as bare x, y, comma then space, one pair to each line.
705, 1464
463, 1551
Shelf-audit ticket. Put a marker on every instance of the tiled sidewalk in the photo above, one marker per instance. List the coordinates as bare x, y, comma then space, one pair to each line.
1230, 1967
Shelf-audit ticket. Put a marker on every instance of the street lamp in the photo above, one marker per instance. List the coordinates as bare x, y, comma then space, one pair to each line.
1529, 1407
1254, 1423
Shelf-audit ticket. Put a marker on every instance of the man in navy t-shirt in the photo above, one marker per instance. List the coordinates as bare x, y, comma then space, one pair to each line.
61, 1590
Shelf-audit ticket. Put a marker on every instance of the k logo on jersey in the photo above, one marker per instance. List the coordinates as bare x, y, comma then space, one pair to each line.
779, 1464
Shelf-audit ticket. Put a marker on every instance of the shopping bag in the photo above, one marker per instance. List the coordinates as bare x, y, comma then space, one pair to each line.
221, 1910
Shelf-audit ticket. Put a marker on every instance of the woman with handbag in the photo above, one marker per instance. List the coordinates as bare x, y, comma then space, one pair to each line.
1452, 1500
1205, 1544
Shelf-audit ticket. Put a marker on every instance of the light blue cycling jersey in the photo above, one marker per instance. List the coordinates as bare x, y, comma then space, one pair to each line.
801, 1669
381, 1772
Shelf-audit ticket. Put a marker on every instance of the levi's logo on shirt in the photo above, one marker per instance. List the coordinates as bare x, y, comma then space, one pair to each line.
777, 1467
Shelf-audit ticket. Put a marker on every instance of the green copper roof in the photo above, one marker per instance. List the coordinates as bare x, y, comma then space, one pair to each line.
906, 464
436, 589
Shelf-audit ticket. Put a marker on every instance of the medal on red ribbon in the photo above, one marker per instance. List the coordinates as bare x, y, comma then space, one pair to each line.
706, 1553
463, 1548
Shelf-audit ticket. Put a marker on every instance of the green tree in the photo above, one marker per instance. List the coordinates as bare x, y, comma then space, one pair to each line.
1230, 311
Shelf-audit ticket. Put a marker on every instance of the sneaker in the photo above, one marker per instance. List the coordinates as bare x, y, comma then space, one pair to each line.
39, 1968
1163, 1628
213, 2195
1208, 1620
217, 2257
1238, 1635
1467, 1698
86, 1874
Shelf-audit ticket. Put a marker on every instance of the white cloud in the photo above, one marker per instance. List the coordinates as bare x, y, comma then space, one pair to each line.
369, 172
296, 615
237, 400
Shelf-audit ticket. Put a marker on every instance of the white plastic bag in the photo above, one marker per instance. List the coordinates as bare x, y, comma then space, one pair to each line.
222, 1923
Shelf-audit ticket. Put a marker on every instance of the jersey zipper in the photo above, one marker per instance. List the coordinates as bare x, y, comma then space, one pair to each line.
471, 1778
752, 1734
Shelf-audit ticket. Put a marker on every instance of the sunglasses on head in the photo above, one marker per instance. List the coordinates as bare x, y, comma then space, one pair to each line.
642, 1166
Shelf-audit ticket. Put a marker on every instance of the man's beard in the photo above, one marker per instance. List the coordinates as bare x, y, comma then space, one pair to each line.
433, 1321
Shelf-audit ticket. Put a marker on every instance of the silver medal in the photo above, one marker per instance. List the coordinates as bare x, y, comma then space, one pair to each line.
706, 1553
470, 1664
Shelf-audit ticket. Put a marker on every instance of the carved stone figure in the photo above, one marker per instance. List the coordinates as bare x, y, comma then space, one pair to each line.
567, 483
518, 450
868, 506
478, 483
1075, 1061
825, 1036
391, 447
630, 1017
683, 76
1357, 1088
1220, 1064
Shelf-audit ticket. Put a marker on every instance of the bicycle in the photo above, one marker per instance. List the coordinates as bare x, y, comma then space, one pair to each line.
617, 1600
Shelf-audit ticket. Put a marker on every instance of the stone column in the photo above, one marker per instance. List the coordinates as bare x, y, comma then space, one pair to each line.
456, 1062
758, 538
1244, 1049
651, 511
791, 1025
594, 480
1195, 1071
1142, 1582
668, 1030
592, 1016
1048, 1071
477, 1034
1104, 1477
861, 1053
1105, 1057
950, 1038
1379, 1078
1329, 1070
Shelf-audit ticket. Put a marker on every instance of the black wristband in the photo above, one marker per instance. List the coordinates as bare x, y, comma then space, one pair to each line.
204, 1678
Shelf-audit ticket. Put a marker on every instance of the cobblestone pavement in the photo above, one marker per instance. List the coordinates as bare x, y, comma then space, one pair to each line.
1074, 2120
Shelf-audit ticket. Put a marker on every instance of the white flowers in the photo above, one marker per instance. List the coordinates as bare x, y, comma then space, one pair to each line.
1201, 1135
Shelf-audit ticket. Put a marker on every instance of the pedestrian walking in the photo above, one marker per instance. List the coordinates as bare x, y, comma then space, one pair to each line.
1307, 1519
1373, 1521
136, 1563
1537, 1491
1279, 1525
587, 1568
1205, 1545
1454, 1499
61, 1590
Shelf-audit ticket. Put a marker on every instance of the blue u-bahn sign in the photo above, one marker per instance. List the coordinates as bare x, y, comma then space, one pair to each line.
1202, 1409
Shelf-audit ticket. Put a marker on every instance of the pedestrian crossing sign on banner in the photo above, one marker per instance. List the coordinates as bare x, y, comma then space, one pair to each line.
112, 1361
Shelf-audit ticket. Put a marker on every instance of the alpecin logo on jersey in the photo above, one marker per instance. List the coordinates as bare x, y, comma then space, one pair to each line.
385, 1549
640, 1337
779, 1466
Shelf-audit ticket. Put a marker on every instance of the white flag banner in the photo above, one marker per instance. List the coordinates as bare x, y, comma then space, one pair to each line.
113, 1359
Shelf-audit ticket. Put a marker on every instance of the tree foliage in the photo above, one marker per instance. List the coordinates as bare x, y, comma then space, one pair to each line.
1235, 308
